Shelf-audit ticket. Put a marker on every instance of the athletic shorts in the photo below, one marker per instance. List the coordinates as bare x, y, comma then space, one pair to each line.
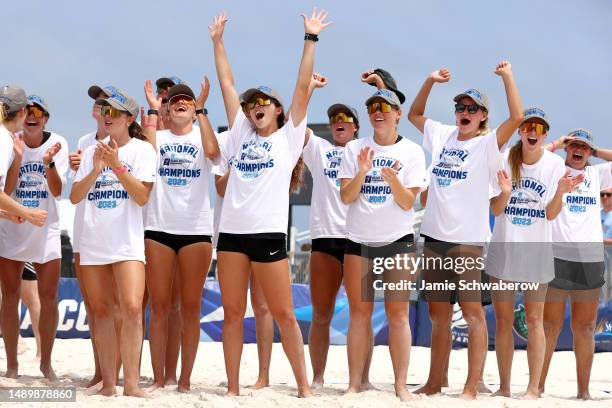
176, 242
262, 247
432, 273
29, 273
331, 246
402, 245
571, 275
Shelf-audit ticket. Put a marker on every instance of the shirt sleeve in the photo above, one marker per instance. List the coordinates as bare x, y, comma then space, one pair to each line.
222, 166
6, 153
605, 175
435, 134
415, 173
310, 150
61, 160
348, 164
295, 137
557, 173
146, 166
86, 164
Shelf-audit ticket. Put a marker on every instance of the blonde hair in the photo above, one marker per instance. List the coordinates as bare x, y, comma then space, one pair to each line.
2, 113
483, 127
515, 158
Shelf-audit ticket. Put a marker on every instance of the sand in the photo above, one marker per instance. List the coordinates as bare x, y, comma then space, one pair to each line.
72, 363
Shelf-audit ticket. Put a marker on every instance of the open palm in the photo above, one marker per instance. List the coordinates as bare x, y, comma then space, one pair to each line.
316, 22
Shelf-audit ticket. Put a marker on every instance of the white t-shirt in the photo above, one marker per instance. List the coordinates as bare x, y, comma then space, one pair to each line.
26, 242
257, 195
180, 202
220, 169
577, 232
327, 212
84, 142
112, 221
521, 245
458, 198
6, 154
375, 217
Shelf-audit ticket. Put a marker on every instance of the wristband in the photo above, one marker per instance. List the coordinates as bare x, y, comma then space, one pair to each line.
151, 126
311, 37
153, 112
120, 170
594, 152
50, 165
202, 111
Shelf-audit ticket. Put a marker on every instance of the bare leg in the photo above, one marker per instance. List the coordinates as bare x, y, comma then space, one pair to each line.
175, 327
536, 344
48, 282
440, 314
554, 314
29, 297
473, 314
10, 282
584, 316
264, 332
504, 344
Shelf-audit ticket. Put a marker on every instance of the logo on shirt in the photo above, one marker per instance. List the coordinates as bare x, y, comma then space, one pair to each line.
334, 158
108, 192
253, 159
375, 189
526, 204
32, 184
178, 162
580, 199
450, 166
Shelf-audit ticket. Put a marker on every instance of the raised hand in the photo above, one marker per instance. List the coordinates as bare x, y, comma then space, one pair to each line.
567, 183
505, 184
111, 154
441, 75
389, 173
365, 159
36, 217
98, 158
317, 81
75, 159
217, 27
204, 92
370, 77
316, 23
504, 68
51, 152
153, 101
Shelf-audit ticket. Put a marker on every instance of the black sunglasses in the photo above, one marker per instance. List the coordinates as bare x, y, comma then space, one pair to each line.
605, 195
459, 108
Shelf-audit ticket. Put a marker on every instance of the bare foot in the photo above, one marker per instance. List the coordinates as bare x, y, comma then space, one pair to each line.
317, 384
584, 395
232, 393
155, 386
352, 390
107, 392
48, 372
171, 381
428, 390
136, 392
94, 389
11, 372
305, 392
445, 383
502, 393
96, 379
184, 387
482, 387
368, 386
530, 395
403, 394
468, 395
259, 384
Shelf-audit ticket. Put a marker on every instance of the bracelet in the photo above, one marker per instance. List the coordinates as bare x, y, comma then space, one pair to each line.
50, 165
153, 112
151, 126
311, 37
554, 146
202, 111
120, 170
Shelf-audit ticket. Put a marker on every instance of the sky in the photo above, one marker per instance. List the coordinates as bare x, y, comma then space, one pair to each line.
560, 53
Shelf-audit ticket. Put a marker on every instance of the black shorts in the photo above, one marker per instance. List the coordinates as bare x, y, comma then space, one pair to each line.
330, 246
402, 245
263, 247
435, 248
175, 242
571, 275
28, 273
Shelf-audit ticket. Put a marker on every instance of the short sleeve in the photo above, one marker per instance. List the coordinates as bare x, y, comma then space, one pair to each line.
6, 153
86, 164
295, 137
605, 175
348, 164
415, 174
557, 173
435, 135
310, 150
222, 166
145, 167
61, 160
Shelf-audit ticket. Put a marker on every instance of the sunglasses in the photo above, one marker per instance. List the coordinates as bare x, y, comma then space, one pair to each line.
36, 111
538, 128
341, 117
384, 107
459, 108
110, 111
258, 101
606, 195
181, 98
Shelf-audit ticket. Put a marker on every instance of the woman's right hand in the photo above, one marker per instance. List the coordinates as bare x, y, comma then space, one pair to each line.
217, 27
153, 101
98, 159
36, 217
440, 76
365, 159
505, 184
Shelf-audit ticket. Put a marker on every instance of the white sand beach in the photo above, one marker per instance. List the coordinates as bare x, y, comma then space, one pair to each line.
72, 363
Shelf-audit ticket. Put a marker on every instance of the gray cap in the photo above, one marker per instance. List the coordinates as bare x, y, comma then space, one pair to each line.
262, 89
95, 90
342, 107
385, 94
536, 113
583, 135
37, 100
480, 98
121, 101
13, 98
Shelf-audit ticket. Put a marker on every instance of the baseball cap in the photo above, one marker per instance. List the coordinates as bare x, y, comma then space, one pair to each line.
390, 83
37, 100
95, 90
535, 112
480, 98
583, 135
262, 89
122, 101
180, 89
342, 107
387, 95
13, 98
171, 81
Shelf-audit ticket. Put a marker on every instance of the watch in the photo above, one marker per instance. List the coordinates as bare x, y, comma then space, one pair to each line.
50, 165
153, 112
202, 111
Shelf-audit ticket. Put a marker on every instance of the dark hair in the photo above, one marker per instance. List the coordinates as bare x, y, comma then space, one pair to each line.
136, 131
296, 176
280, 119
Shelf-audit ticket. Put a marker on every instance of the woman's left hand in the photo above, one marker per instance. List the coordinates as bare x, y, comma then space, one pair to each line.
110, 154
316, 23
567, 183
204, 92
389, 174
51, 152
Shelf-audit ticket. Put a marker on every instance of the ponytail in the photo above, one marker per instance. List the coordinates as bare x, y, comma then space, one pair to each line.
2, 113
515, 157
296, 176
136, 131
